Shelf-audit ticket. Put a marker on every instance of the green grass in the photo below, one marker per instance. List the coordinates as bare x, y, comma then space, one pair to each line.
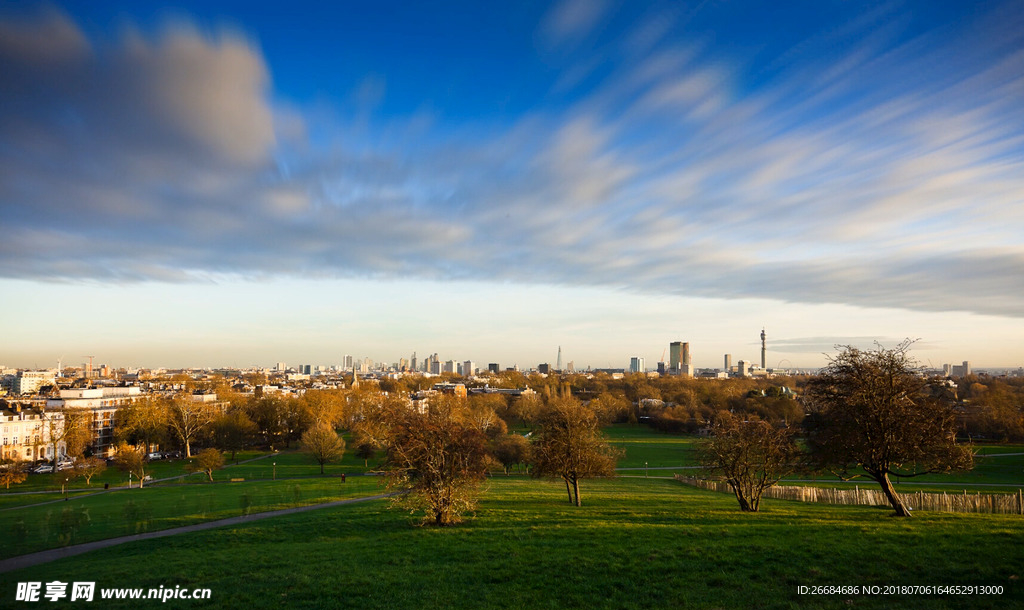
643, 444
122, 512
634, 544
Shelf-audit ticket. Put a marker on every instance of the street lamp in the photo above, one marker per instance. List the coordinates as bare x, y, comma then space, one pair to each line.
129, 480
275, 471
645, 470
65, 489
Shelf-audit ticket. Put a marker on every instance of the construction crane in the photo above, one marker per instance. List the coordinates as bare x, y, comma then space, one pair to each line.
88, 370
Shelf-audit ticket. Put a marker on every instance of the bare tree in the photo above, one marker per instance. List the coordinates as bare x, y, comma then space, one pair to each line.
438, 458
188, 418
70, 428
750, 455
87, 468
323, 443
872, 415
569, 444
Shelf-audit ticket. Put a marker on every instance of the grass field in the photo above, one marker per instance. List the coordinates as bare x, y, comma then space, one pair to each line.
998, 468
636, 543
130, 511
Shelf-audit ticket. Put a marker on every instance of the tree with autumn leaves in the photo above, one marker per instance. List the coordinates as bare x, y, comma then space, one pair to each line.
436, 458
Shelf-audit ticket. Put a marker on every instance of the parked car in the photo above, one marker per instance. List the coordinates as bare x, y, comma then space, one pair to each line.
43, 469
156, 455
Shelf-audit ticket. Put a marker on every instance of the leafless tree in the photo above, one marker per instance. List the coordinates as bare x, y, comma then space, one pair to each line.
188, 418
88, 467
751, 456
872, 415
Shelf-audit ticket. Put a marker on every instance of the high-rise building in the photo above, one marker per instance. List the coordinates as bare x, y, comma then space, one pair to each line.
728, 363
493, 367
675, 356
449, 367
961, 370
413, 366
558, 363
743, 368
636, 365
763, 351
468, 368
544, 368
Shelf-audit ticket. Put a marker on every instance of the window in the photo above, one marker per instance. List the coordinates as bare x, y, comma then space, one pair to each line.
15, 440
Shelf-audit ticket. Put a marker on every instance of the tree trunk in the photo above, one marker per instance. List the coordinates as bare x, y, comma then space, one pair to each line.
891, 495
188, 449
576, 489
321, 467
568, 489
744, 504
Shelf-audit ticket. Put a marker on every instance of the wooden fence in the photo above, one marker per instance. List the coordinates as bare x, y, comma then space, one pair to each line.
956, 502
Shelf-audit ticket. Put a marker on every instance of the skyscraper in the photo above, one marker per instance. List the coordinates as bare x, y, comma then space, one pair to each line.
558, 363
727, 363
679, 358
637, 365
763, 351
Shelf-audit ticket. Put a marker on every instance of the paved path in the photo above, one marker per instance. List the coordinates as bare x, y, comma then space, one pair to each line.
31, 559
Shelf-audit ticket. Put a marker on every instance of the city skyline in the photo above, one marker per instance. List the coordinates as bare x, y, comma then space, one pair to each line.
235, 185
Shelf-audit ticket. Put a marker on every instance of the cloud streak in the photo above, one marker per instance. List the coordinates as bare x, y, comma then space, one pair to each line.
891, 176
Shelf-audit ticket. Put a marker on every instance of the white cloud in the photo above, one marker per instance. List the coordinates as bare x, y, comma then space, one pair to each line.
673, 176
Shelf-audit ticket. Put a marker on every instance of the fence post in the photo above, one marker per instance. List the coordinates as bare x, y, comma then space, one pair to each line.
1020, 503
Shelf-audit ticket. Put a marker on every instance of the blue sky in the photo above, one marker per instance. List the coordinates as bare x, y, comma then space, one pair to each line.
244, 183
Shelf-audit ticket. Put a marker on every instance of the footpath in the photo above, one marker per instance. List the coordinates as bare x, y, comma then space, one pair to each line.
31, 559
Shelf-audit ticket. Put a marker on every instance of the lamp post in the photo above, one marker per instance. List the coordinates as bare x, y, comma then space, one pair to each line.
645, 470
129, 480
64, 488
275, 471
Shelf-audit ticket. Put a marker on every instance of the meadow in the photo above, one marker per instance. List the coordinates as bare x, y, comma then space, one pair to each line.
637, 542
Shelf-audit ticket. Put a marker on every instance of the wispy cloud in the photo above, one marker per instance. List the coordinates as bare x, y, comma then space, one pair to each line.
891, 176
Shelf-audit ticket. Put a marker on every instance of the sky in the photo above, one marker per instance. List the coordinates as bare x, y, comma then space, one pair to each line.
245, 183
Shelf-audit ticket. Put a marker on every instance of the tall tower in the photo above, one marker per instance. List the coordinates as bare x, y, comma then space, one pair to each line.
558, 364
763, 351
675, 356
